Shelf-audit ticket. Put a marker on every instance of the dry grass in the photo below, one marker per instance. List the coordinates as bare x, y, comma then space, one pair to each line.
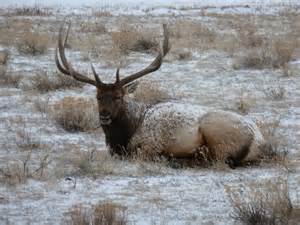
109, 214
25, 141
4, 56
180, 54
192, 35
92, 162
33, 43
79, 215
7, 78
149, 92
265, 204
243, 104
100, 214
16, 172
44, 82
95, 27
132, 39
276, 92
274, 150
260, 50
42, 104
76, 114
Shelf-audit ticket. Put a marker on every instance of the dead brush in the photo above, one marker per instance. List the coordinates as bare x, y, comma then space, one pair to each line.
261, 51
92, 162
25, 141
4, 56
267, 203
244, 103
100, 214
7, 78
150, 93
132, 39
274, 149
75, 114
45, 82
77, 215
95, 27
33, 43
109, 214
276, 92
19, 171
193, 35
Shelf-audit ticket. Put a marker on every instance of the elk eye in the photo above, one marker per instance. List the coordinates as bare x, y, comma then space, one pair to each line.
117, 97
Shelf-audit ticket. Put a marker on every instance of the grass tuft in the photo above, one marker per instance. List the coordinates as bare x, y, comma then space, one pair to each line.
100, 214
33, 43
267, 204
76, 114
148, 92
45, 82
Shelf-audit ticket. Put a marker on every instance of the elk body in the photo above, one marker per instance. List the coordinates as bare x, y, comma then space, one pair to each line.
168, 128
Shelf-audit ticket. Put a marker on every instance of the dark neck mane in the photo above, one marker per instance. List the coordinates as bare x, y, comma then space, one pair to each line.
122, 128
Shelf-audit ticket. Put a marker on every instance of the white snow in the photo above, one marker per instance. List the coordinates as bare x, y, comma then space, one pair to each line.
153, 194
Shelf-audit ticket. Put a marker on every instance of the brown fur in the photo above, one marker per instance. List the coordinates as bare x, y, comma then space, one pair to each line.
227, 135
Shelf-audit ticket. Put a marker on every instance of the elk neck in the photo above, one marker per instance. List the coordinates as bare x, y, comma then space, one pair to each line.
123, 127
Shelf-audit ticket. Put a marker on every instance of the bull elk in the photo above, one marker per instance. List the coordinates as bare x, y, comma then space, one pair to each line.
167, 128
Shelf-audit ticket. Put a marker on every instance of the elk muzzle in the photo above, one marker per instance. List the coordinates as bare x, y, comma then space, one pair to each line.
105, 119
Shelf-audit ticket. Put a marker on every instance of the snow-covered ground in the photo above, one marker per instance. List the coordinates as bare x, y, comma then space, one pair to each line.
154, 3
153, 193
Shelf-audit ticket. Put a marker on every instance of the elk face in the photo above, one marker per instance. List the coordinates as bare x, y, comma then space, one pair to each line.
110, 97
110, 103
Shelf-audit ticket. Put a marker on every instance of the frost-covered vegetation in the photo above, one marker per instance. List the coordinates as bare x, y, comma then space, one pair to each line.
54, 165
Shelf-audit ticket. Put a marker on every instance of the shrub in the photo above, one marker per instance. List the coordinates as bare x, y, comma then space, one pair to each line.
33, 43
76, 114
93, 27
44, 83
79, 215
191, 34
4, 57
126, 41
149, 92
269, 204
109, 214
18, 172
93, 163
99, 214
9, 78
273, 51
274, 148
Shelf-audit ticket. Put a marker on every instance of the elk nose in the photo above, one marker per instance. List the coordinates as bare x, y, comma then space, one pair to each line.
105, 116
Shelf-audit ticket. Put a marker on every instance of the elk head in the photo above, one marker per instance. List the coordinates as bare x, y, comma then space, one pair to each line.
110, 97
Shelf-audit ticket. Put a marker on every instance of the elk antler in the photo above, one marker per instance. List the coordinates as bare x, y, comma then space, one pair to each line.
66, 67
155, 65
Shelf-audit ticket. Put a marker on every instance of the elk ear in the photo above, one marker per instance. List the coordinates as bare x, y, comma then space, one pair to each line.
131, 87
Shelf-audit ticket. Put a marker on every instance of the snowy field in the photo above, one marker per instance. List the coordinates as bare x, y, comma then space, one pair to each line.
234, 55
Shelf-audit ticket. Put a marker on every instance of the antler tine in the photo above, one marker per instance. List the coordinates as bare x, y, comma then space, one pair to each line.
97, 78
66, 68
156, 63
117, 76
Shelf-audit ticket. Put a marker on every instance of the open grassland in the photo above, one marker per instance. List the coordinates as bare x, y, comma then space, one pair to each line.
54, 165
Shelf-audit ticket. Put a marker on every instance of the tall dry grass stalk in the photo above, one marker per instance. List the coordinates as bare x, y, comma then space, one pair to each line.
267, 203
107, 213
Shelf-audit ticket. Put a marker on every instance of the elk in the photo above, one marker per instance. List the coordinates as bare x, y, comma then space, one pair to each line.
168, 128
